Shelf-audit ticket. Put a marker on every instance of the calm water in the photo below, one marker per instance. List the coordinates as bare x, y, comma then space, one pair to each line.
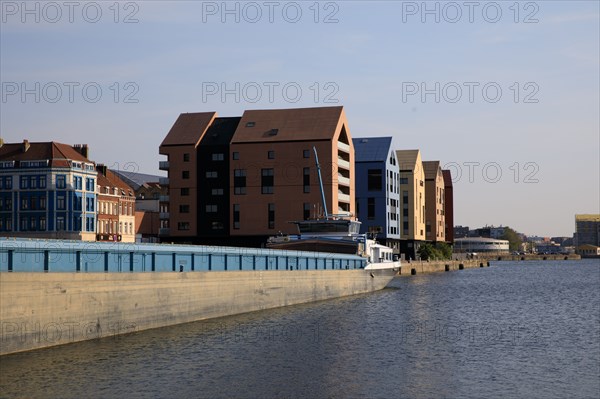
513, 330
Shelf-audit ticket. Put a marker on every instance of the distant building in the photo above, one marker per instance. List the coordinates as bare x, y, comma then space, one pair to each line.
588, 251
435, 220
377, 189
448, 206
461, 231
480, 244
412, 201
116, 208
587, 230
47, 190
150, 196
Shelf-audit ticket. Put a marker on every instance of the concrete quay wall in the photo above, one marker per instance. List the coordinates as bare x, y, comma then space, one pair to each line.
419, 267
39, 310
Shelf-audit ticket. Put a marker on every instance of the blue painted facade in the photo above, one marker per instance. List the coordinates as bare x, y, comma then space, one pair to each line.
39, 199
21, 255
377, 189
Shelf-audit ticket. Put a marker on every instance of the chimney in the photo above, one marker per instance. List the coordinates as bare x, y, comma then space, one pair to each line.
101, 168
26, 145
82, 149
1, 142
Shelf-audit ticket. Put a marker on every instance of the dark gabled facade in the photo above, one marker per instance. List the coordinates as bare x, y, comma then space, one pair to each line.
214, 178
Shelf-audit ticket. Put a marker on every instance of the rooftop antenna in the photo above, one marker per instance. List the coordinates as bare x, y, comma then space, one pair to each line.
321, 183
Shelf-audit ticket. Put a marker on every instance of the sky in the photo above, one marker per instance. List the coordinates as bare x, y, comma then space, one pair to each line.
505, 94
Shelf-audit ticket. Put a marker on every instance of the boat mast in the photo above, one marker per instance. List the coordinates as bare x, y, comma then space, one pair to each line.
320, 182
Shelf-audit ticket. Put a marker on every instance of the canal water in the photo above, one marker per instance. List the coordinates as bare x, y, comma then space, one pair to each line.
513, 330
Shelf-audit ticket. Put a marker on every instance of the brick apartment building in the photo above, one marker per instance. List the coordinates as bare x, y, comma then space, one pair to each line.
247, 177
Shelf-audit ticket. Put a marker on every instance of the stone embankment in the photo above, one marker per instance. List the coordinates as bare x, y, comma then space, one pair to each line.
418, 267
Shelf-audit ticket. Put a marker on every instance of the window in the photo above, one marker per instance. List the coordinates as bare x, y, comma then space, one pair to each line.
186, 157
404, 180
77, 182
212, 175
33, 182
217, 191
271, 216
89, 184
24, 182
24, 204
211, 209
305, 153
23, 224
183, 226
405, 212
236, 216
185, 174
250, 124
271, 154
8, 182
374, 179
184, 209
239, 181
60, 202
371, 208
42, 184
236, 155
267, 181
218, 157
185, 191
306, 180
217, 226
60, 223
306, 211
8, 204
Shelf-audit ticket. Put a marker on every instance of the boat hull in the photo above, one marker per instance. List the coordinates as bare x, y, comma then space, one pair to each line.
39, 310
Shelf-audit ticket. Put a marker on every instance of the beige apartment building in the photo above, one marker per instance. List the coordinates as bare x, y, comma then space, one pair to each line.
435, 221
116, 208
412, 201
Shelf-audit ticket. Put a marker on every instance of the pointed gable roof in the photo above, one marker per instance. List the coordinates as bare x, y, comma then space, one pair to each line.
371, 149
188, 129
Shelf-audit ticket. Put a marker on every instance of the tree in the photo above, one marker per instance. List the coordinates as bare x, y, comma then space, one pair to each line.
441, 251
514, 239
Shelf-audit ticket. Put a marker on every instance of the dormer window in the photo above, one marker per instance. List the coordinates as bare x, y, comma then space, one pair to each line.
250, 124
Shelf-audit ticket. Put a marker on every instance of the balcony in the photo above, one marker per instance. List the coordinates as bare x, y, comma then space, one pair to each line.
343, 164
163, 198
343, 197
343, 147
345, 181
163, 165
164, 231
163, 215
163, 181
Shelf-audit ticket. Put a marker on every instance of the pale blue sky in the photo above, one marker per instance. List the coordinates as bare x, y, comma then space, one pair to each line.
367, 61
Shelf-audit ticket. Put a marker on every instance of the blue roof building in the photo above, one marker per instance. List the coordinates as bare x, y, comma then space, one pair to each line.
377, 189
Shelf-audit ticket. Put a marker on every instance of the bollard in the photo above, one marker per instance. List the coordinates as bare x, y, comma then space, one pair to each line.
461, 266
413, 272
